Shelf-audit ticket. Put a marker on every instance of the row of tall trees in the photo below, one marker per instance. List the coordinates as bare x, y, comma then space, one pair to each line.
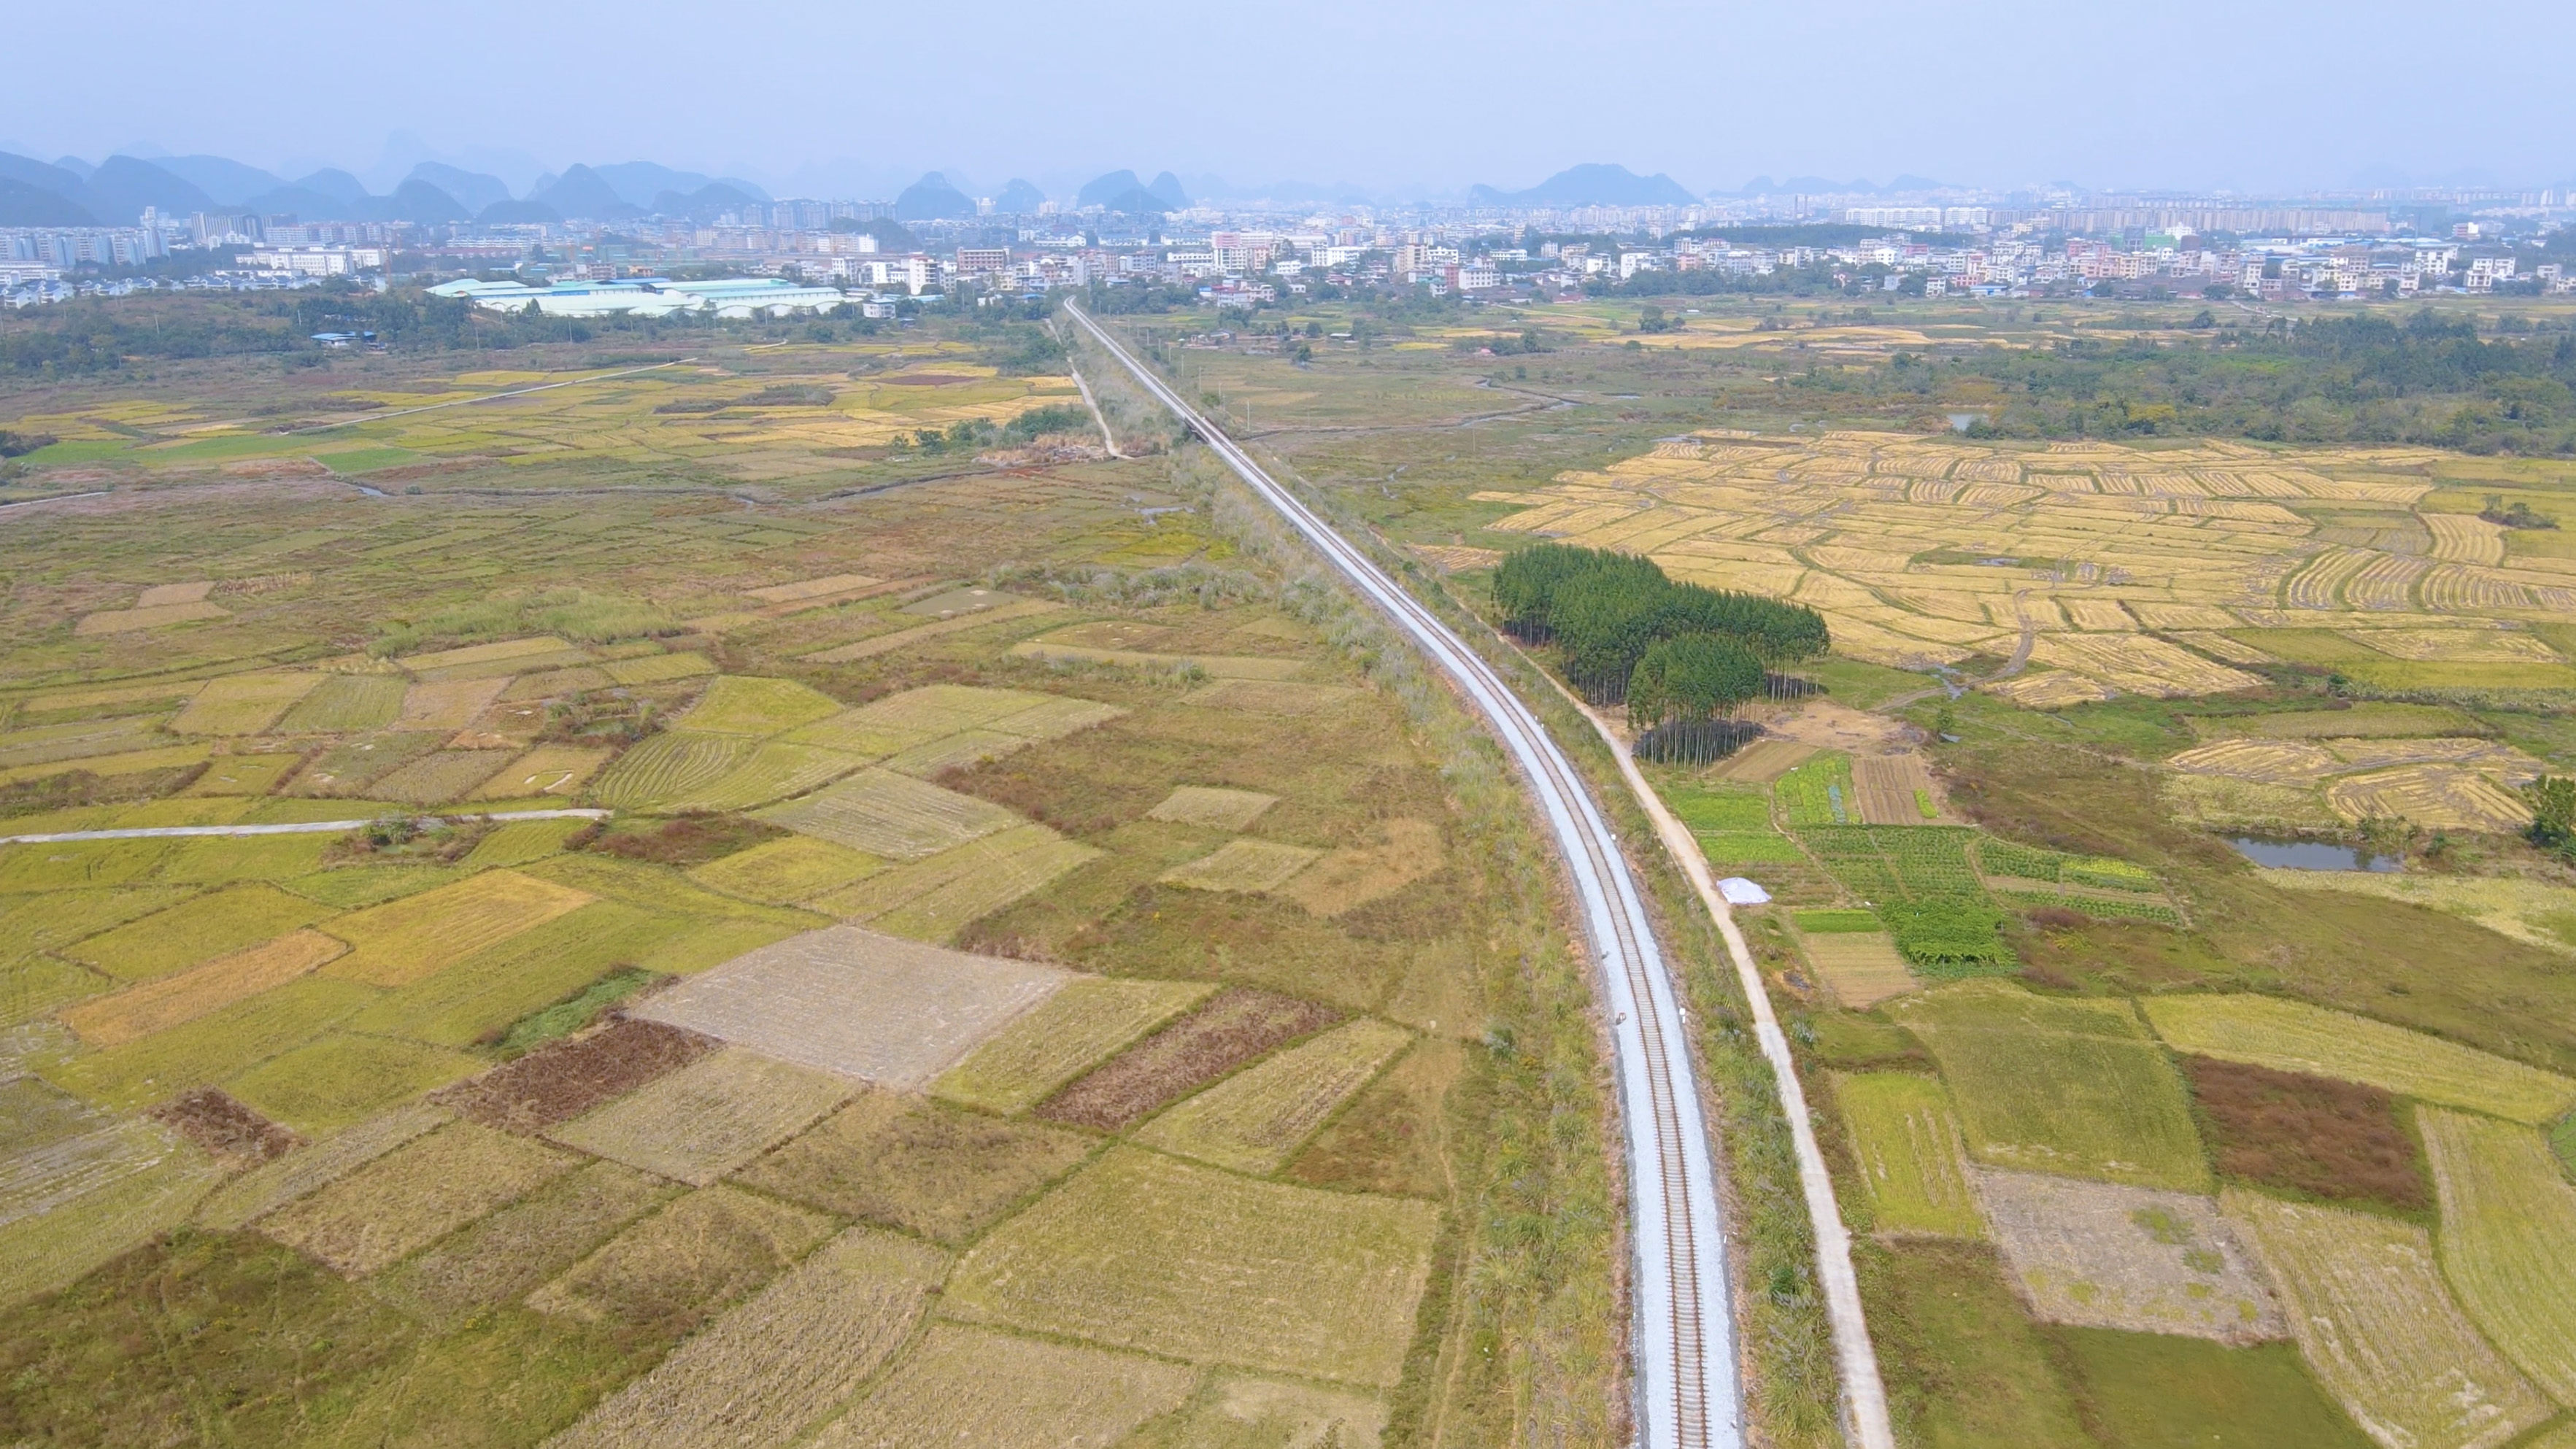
1681, 656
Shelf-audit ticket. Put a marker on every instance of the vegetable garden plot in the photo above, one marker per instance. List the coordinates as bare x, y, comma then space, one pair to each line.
737, 704
1895, 789
856, 1002
2362, 1295
1056, 1040
563, 1079
242, 704
2099, 1255
1148, 1253
194, 931
311, 1168
2508, 1239
774, 1364
972, 1386
1254, 1120
2071, 1086
708, 1118
518, 1248
1210, 806
1243, 865
414, 1196
1234, 1026
890, 815
401, 942
911, 1163
2292, 1036
186, 995
1905, 1141
682, 1265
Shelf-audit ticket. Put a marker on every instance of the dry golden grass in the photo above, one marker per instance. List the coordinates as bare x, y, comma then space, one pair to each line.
708, 1118
919, 1165
1243, 865
972, 1386
1217, 809
1086, 1021
1862, 968
1349, 878
2440, 797
2292, 1036
1253, 1120
142, 1010
679, 1267
307, 1170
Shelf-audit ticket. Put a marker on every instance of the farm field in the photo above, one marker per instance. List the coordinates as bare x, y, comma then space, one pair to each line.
688, 1122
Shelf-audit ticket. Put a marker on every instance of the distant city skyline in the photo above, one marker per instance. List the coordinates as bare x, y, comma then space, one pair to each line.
1423, 100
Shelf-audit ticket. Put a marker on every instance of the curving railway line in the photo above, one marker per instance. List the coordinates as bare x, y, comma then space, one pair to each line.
1687, 1394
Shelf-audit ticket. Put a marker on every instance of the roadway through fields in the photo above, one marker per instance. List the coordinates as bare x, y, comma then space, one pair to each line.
1687, 1392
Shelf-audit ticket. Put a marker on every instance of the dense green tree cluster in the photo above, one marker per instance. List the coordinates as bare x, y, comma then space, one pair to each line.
1606, 612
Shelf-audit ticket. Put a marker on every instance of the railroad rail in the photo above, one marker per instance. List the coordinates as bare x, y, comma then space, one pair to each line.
1687, 1391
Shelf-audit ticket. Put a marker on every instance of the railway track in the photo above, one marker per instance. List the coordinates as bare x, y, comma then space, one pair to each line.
1687, 1391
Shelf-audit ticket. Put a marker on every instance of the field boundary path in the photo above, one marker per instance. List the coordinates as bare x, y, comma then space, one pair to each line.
1687, 1392
297, 827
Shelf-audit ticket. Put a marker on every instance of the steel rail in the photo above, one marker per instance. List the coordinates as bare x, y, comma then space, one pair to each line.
1688, 1395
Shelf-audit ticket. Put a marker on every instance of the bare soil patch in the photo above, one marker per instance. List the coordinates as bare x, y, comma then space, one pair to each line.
563, 1079
224, 1129
1235, 1026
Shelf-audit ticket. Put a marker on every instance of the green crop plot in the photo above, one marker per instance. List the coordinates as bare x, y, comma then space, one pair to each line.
670, 766
1906, 1142
2509, 1239
343, 1078
345, 703
2292, 1036
196, 930
2064, 1086
741, 705
213, 1047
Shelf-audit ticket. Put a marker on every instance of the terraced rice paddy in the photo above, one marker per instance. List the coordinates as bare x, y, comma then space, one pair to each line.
1922, 551
2291, 1036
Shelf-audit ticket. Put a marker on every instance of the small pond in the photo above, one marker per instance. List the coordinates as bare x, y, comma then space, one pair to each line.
2310, 855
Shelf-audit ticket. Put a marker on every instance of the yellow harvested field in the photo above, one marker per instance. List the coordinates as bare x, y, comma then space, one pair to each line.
1243, 865
1216, 666
751, 705
1344, 880
2220, 802
2460, 646
1086, 1021
1145, 1252
763, 1371
162, 595
309, 1169
967, 1386
1213, 807
244, 774
2048, 689
170, 1000
1862, 968
195, 930
1253, 1120
414, 1195
932, 900
782, 872
1920, 551
657, 668
545, 770
241, 704
2367, 1304
1905, 1141
2439, 797
2280, 762
1455, 558
2292, 1036
1263, 696
892, 816
2530, 911
2508, 1242
503, 657
708, 1118
404, 941
831, 586
146, 616
906, 638
447, 704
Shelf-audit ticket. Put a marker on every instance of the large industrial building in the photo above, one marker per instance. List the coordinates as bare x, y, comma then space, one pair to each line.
650, 297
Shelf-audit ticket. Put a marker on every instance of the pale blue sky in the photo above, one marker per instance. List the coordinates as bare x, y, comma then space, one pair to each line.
810, 97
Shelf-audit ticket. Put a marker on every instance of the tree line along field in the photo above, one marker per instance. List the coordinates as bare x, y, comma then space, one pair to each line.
2144, 1144
844, 1083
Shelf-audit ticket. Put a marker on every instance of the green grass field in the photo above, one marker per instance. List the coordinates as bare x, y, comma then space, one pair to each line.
1906, 1141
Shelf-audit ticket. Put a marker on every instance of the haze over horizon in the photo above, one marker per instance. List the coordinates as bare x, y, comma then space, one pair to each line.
1430, 99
